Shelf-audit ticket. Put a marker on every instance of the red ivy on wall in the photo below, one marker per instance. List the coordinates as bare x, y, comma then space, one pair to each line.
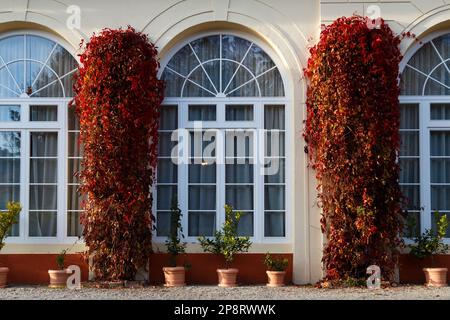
352, 133
118, 97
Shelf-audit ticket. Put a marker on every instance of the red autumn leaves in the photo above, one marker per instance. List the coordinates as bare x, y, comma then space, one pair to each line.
118, 96
352, 132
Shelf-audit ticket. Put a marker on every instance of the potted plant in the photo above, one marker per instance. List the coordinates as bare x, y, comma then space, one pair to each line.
58, 278
276, 270
7, 220
429, 244
227, 243
174, 274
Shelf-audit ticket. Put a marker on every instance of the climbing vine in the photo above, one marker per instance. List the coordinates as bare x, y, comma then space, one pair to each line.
118, 97
352, 136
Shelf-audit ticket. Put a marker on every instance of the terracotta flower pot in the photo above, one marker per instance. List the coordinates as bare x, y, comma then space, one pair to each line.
3, 276
435, 277
58, 278
227, 277
175, 276
276, 278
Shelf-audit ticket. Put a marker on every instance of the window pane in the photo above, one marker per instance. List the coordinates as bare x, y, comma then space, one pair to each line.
202, 197
9, 170
239, 143
274, 197
74, 227
440, 143
15, 230
258, 61
207, 48
73, 119
43, 113
409, 170
409, 116
75, 149
9, 144
202, 112
271, 84
440, 170
8, 193
275, 143
201, 224
274, 224
202, 146
167, 171
239, 197
162, 224
43, 170
74, 198
44, 144
411, 224
9, 113
412, 195
202, 173
234, 48
440, 197
236, 112
164, 196
274, 170
409, 145
43, 197
73, 169
274, 117
239, 173
42, 224
168, 119
440, 111
245, 226
166, 144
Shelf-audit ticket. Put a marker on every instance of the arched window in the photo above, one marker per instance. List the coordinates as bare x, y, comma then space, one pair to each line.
425, 132
222, 66
39, 149
33, 66
225, 99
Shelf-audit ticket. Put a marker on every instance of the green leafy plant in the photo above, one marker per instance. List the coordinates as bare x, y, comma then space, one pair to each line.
430, 243
61, 259
226, 241
174, 243
8, 219
275, 264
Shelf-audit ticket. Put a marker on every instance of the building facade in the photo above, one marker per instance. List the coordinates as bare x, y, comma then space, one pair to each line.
236, 67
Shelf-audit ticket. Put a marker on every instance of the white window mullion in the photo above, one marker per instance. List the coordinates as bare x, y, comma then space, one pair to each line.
61, 231
220, 177
258, 172
26, 183
425, 165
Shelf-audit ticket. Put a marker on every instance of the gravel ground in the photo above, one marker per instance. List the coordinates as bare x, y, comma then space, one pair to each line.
214, 292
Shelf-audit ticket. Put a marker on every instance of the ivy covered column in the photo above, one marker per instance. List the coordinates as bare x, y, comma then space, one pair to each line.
352, 132
118, 97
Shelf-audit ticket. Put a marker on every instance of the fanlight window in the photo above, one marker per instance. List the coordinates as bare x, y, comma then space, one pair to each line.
428, 71
222, 66
33, 66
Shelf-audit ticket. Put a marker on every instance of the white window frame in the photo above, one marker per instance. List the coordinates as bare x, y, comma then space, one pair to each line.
25, 127
220, 123
426, 125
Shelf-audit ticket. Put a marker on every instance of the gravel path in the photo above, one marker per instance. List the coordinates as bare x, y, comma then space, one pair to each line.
214, 292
